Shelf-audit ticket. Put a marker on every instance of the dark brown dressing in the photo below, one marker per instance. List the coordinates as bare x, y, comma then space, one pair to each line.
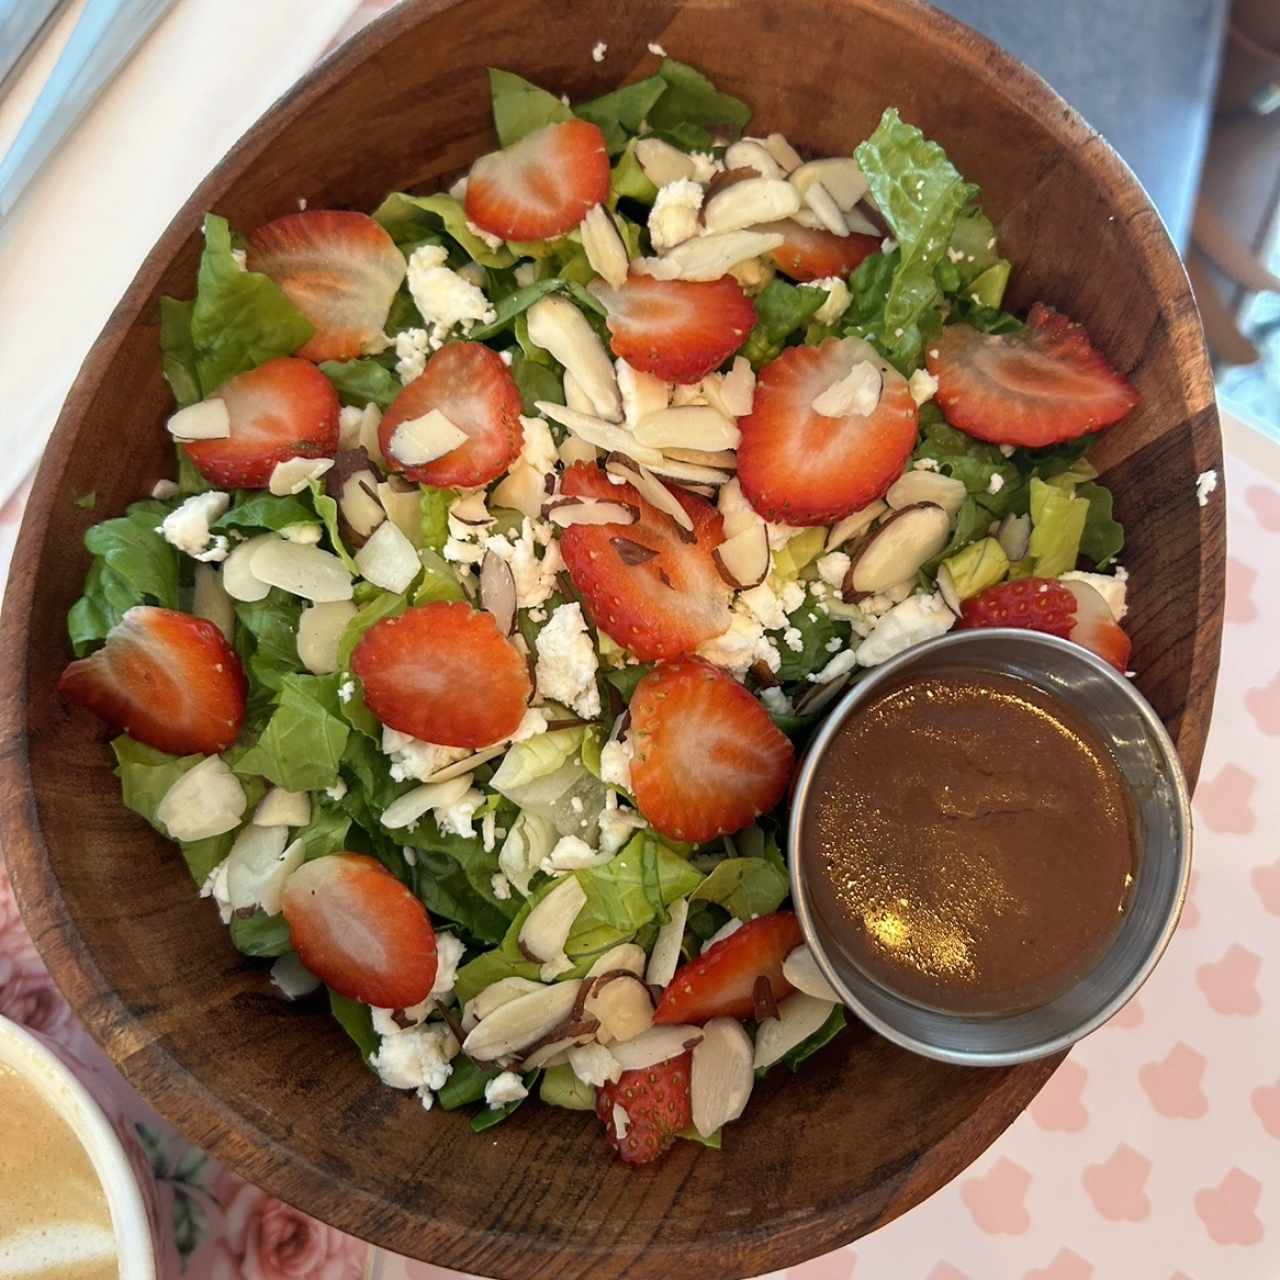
976, 834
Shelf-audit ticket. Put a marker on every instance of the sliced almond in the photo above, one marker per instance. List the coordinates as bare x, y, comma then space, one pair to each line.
468, 763
711, 256
658, 1044
688, 473
557, 326
854, 525
801, 970
626, 955
204, 420
281, 808
857, 392
574, 449
896, 549
521, 1022
783, 152
1014, 536
522, 489
402, 504
566, 512
238, 578
743, 560
293, 475
859, 224
737, 512
320, 629
642, 393
750, 154
818, 199
948, 590
470, 509
422, 440
664, 959
547, 926
651, 489
689, 427
388, 560
748, 203
211, 601
304, 571
595, 431
662, 163
603, 246
494, 996
927, 486
738, 388
359, 505
716, 459
293, 979
839, 175
545, 1055
498, 591
575, 397
206, 801
413, 804
260, 861
621, 1004
799, 1016
722, 1075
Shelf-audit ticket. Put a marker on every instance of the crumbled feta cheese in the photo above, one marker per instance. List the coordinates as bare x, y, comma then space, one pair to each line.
1206, 483
163, 490
781, 534
834, 645
918, 618
567, 662
539, 449
1008, 450
504, 1088
421, 1059
621, 1121
705, 166
617, 825
456, 819
449, 952
615, 763
346, 690
598, 50
489, 831
792, 638
445, 300
356, 425
764, 603
215, 887
955, 255
501, 887
526, 273
304, 533
674, 216
534, 577
656, 49
485, 237
833, 568
776, 701
1112, 589
337, 791
838, 666
413, 758
187, 527
792, 597
412, 348
922, 385
925, 464
837, 299
995, 483
593, 1064
740, 644
572, 854
888, 245
393, 1022
725, 931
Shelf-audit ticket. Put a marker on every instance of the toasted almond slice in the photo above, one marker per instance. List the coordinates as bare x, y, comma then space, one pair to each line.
546, 928
664, 959
689, 427
747, 153
722, 1075
546, 1055
656, 1045
603, 246
292, 978
211, 601
621, 1004
743, 560
522, 1021
388, 559
738, 388
750, 202
301, 570
257, 867
650, 488
799, 1016
207, 800
566, 512
718, 459
1014, 536
494, 996
839, 175
422, 440
687, 474
406, 810
927, 486
238, 578
295, 474
595, 431
522, 489
818, 199
895, 550
498, 591
358, 501
783, 152
737, 512
858, 392
854, 525
470, 509
642, 393
859, 224
468, 764
204, 420
320, 629
948, 590
560, 328
281, 808
711, 256
662, 163
575, 397
402, 503
801, 970
626, 955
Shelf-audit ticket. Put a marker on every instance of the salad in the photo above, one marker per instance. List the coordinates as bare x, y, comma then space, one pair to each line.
520, 534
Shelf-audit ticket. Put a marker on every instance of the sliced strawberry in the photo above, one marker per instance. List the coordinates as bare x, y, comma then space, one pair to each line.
1038, 387
443, 673
164, 678
1070, 610
341, 270
541, 186
470, 385
360, 931
707, 758
283, 409
807, 253
646, 586
799, 467
678, 330
721, 982
644, 1111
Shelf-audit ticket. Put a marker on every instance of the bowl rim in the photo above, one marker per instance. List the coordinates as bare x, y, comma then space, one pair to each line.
144, 1060
946, 649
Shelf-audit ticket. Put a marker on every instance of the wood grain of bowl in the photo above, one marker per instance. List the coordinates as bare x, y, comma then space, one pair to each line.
867, 1130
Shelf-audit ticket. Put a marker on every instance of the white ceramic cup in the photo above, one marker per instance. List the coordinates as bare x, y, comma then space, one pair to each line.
33, 1059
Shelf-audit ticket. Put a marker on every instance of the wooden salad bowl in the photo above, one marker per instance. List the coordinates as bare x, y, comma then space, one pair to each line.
866, 1130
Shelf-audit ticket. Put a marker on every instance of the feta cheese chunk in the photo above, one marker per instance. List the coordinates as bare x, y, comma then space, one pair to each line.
567, 662
503, 1088
215, 887
445, 300
833, 567
187, 526
421, 1059
615, 763
1206, 483
922, 385
916, 619
674, 216
741, 644
1112, 589
413, 758
457, 819
412, 348
617, 825
534, 576
593, 1064
572, 854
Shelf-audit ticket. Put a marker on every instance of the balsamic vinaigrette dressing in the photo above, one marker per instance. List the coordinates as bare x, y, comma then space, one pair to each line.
976, 834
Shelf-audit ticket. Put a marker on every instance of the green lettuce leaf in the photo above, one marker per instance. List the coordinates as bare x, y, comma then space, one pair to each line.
302, 745
817, 632
515, 304
361, 382
629, 181
562, 1088
326, 507
474, 976
619, 114
520, 108
240, 319
435, 516
465, 1084
409, 220
267, 637
356, 1020
1103, 537
782, 310
537, 757
257, 509
971, 461
692, 100
439, 582
805, 1050
491, 1116
536, 382
177, 351
1057, 526
971, 523
260, 934
978, 566
745, 887
326, 832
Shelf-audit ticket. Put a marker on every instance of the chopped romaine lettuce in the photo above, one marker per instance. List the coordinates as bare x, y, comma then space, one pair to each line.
356, 1020
362, 382
782, 311
561, 1088
619, 114
1103, 536
411, 219
520, 108
978, 566
745, 887
302, 745
1057, 526
692, 106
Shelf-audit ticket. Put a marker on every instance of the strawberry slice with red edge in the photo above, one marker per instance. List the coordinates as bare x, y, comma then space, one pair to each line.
1070, 610
644, 1111
1038, 387
809, 253
677, 330
444, 673
340, 269
541, 186
721, 982
283, 409
471, 386
651, 586
707, 758
164, 678
360, 931
797, 466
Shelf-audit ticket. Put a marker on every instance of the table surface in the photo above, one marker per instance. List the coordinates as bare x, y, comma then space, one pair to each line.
1154, 1151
